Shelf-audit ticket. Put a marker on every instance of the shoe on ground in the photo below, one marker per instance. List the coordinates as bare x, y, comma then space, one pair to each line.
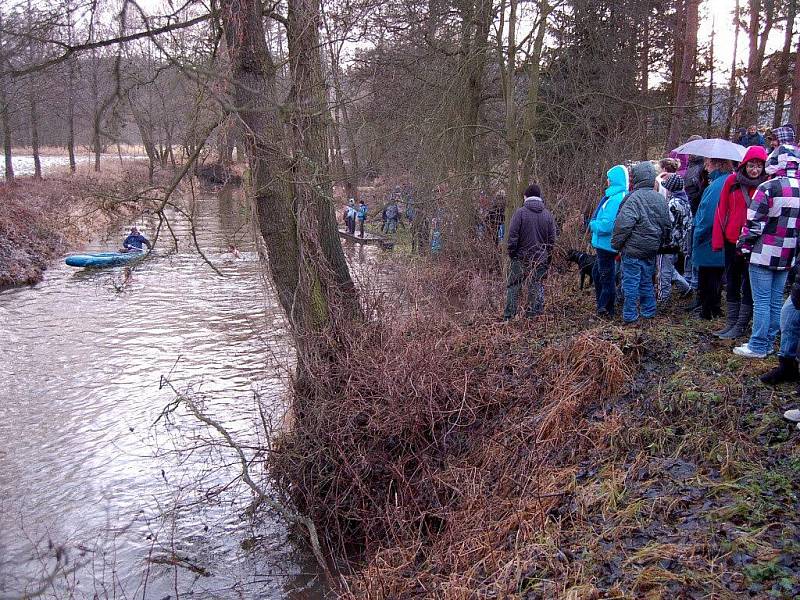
745, 351
792, 415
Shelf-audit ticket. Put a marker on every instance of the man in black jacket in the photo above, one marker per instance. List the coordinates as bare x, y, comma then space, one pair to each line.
531, 236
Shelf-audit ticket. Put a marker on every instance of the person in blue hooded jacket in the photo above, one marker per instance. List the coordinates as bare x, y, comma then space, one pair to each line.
602, 226
710, 264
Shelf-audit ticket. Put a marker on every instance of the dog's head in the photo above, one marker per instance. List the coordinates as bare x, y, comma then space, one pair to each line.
574, 256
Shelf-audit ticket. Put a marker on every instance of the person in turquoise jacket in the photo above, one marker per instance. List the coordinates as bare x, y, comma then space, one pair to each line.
602, 226
710, 264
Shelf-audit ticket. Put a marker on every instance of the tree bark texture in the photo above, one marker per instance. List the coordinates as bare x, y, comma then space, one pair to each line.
687, 75
291, 189
783, 71
758, 45
732, 88
795, 116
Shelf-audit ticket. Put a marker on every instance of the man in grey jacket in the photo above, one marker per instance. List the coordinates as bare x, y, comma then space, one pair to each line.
531, 236
642, 227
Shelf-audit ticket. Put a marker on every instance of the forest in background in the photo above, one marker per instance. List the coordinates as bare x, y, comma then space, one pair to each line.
391, 469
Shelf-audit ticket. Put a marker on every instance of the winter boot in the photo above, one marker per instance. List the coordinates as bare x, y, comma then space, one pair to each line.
785, 371
731, 316
742, 323
696, 303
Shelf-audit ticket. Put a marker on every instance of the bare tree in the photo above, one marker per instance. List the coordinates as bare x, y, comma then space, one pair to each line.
687, 74
783, 69
758, 36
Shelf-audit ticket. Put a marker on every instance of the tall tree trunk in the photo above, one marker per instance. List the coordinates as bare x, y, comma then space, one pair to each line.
6, 122
34, 116
5, 117
758, 45
37, 161
795, 116
476, 23
687, 74
71, 65
710, 110
71, 117
783, 70
291, 197
678, 47
531, 115
96, 114
732, 87
509, 87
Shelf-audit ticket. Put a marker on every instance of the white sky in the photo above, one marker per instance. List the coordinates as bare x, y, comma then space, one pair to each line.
720, 13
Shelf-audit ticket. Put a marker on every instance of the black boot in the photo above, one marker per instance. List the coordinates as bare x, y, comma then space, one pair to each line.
785, 371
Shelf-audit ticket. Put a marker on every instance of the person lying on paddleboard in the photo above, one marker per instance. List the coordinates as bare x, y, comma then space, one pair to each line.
134, 241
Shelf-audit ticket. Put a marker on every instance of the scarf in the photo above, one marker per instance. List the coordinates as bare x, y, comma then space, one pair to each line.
744, 181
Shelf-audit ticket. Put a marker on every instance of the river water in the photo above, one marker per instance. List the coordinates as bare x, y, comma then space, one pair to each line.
131, 505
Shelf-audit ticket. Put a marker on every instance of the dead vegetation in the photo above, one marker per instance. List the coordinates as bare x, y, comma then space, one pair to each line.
448, 455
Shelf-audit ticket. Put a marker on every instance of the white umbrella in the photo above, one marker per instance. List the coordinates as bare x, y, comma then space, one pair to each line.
713, 148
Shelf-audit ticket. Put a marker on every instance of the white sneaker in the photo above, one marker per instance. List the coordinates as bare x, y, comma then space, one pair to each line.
744, 350
792, 415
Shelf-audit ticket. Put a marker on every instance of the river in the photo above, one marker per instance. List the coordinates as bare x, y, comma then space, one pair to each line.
141, 507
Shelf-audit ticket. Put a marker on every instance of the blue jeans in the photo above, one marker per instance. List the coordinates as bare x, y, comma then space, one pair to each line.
605, 284
767, 286
668, 275
689, 270
790, 329
637, 287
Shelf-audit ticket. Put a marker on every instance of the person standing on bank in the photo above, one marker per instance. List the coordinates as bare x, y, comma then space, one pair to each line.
531, 237
602, 226
770, 238
710, 263
641, 229
729, 219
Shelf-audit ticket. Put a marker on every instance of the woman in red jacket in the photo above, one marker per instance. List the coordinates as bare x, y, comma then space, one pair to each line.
728, 222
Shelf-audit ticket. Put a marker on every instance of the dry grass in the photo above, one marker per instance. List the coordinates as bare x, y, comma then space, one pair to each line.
447, 455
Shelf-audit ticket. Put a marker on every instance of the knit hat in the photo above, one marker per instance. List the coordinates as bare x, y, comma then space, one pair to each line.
784, 134
695, 137
674, 183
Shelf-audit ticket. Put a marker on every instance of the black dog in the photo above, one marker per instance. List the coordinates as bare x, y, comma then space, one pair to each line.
585, 264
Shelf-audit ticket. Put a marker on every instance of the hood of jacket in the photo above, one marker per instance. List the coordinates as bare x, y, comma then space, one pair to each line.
534, 203
753, 152
680, 195
643, 175
783, 162
618, 180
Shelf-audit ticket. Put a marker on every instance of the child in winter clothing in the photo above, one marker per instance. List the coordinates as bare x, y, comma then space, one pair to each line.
362, 216
602, 226
681, 217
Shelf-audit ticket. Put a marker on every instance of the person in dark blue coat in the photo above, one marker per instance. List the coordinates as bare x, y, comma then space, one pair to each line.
710, 263
134, 241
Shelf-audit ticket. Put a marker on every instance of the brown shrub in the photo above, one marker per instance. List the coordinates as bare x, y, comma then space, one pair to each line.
432, 449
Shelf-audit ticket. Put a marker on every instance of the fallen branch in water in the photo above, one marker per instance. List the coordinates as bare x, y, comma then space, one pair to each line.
261, 496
